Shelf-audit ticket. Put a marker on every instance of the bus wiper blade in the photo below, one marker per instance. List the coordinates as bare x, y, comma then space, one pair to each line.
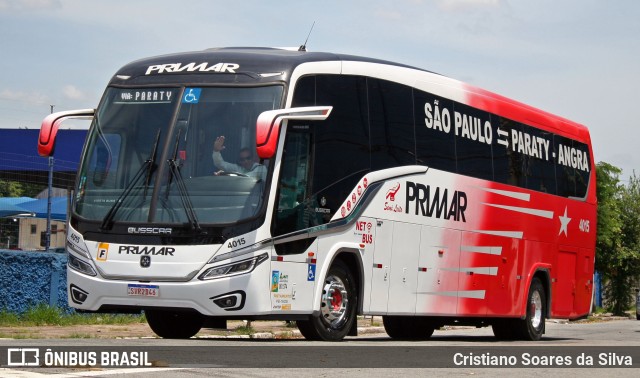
147, 167
151, 164
174, 168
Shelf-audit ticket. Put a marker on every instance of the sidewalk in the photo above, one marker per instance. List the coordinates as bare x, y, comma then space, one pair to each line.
260, 329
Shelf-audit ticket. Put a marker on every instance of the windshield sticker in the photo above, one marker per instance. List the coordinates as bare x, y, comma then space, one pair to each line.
191, 96
145, 97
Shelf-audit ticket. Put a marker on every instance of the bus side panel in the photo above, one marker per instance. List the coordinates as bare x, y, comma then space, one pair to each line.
437, 292
490, 263
403, 273
291, 288
584, 286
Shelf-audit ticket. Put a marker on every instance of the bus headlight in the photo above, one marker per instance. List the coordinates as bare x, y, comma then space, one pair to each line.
79, 265
233, 269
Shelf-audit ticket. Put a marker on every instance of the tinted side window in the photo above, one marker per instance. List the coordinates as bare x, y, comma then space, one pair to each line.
435, 132
340, 154
474, 136
539, 163
572, 166
391, 119
508, 164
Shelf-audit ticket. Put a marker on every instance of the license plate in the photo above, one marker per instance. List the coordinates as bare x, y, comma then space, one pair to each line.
143, 290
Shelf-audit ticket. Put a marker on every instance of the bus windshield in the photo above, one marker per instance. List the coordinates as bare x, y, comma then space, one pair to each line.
175, 155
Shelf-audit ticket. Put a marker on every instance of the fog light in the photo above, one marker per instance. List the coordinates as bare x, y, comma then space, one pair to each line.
226, 302
232, 301
78, 295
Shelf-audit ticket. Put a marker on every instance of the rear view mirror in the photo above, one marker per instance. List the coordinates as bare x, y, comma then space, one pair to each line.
269, 122
50, 125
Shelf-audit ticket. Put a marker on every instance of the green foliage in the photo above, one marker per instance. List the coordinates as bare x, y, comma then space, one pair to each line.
43, 314
244, 330
10, 189
8, 318
609, 223
618, 235
20, 189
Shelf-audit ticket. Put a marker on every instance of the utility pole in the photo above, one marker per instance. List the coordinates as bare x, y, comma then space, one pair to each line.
47, 239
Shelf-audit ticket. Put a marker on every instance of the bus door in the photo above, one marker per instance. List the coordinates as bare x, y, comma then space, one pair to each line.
380, 266
564, 291
293, 280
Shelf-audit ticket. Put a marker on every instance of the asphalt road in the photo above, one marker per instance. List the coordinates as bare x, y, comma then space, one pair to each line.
574, 349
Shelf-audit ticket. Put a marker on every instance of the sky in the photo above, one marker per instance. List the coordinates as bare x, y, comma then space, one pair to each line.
579, 59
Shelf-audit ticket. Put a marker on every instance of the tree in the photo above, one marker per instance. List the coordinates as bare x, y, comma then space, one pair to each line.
618, 235
10, 189
609, 223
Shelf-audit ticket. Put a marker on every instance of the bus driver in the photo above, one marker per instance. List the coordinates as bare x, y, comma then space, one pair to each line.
246, 162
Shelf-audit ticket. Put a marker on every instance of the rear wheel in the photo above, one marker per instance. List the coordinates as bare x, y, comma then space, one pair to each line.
532, 326
408, 327
174, 325
337, 307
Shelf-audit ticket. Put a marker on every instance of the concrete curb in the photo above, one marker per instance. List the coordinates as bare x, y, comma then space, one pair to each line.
293, 334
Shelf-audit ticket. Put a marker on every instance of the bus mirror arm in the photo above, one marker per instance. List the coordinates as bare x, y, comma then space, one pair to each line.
269, 123
50, 125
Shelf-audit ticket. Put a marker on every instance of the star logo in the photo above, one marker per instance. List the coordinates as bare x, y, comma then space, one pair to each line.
564, 222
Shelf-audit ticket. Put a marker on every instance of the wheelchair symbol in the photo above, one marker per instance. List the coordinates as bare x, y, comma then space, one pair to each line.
311, 276
192, 96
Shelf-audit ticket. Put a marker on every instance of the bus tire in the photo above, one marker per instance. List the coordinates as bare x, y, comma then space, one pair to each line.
532, 326
408, 327
338, 306
504, 329
174, 325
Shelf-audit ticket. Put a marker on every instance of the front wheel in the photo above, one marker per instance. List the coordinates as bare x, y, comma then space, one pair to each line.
532, 326
174, 325
337, 307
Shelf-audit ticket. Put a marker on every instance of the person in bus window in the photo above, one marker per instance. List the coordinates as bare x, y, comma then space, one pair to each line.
246, 162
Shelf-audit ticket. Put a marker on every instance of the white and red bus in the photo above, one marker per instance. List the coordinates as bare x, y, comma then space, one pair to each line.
256, 183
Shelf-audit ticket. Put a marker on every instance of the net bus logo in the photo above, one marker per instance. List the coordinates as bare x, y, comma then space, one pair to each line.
23, 357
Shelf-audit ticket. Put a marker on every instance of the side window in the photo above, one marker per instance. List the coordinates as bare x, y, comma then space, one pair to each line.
572, 167
104, 159
392, 126
473, 141
540, 166
508, 165
583, 170
340, 143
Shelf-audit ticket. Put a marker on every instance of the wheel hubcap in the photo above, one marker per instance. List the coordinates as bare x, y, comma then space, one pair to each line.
334, 302
535, 309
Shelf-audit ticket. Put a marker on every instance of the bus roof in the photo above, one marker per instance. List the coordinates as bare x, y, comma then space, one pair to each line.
262, 65
248, 64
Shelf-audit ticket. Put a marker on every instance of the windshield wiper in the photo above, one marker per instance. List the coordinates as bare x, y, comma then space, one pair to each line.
174, 168
145, 170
